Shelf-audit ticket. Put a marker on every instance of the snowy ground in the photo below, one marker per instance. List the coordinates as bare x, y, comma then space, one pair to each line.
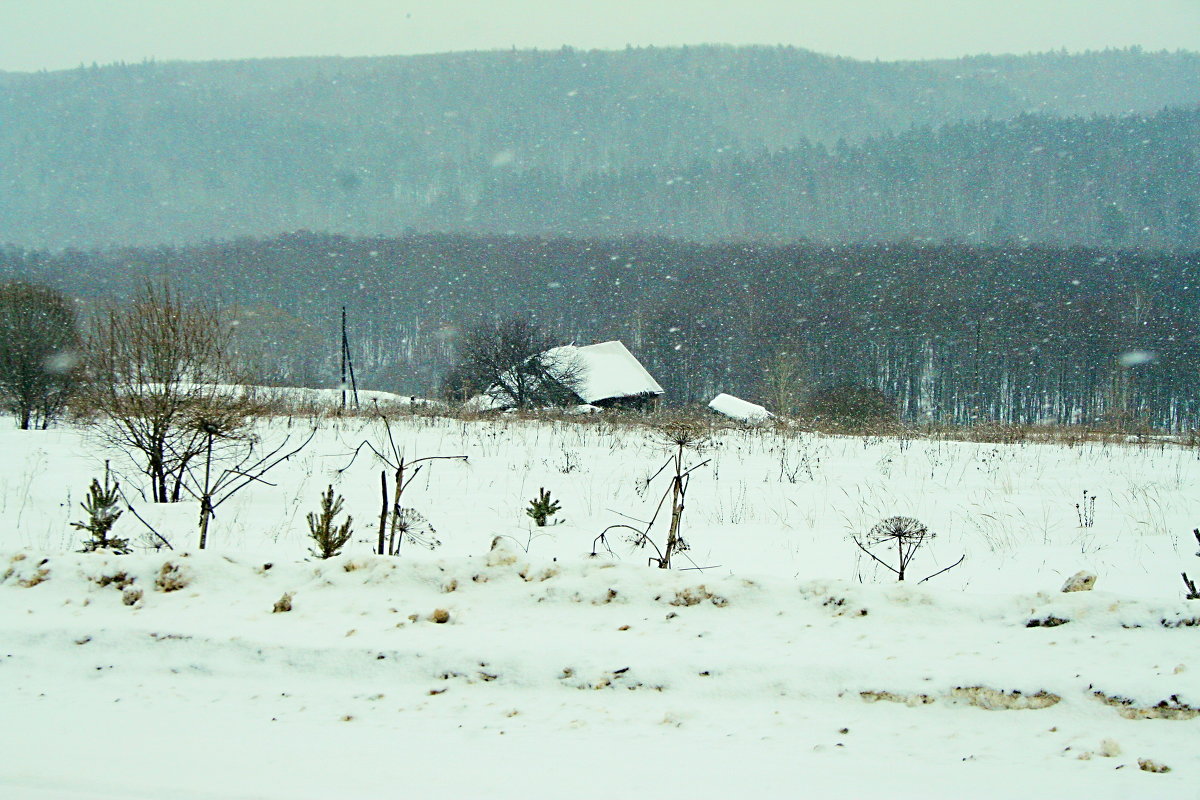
791, 664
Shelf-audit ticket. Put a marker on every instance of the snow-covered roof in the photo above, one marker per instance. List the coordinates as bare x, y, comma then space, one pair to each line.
609, 371
739, 409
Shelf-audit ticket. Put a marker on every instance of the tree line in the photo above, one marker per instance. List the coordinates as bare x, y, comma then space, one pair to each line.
952, 332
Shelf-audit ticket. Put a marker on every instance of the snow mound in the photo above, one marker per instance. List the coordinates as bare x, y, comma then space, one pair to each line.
741, 410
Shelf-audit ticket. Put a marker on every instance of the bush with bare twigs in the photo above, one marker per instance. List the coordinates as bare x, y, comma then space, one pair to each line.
159, 373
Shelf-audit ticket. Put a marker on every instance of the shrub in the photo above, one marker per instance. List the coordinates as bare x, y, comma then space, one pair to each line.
850, 405
157, 366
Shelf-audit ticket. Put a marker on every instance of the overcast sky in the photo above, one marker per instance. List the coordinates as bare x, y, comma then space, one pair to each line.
60, 34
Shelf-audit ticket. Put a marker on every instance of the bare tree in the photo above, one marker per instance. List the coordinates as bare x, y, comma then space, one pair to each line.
782, 382
161, 377
515, 363
39, 353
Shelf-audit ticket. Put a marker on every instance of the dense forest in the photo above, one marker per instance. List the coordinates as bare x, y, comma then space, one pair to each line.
989, 238
954, 332
703, 143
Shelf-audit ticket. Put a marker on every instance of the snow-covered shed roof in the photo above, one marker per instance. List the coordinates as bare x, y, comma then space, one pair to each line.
609, 371
739, 409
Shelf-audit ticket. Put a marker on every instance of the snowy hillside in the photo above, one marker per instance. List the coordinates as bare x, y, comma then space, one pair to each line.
510, 662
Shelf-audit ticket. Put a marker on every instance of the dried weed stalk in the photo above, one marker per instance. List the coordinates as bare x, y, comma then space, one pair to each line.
397, 523
681, 436
907, 536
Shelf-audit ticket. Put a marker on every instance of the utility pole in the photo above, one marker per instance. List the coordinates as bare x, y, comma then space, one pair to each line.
347, 363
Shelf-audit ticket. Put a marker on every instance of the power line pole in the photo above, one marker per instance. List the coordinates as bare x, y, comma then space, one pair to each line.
347, 362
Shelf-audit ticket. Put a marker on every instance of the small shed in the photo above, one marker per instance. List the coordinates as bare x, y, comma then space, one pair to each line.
611, 376
736, 408
608, 376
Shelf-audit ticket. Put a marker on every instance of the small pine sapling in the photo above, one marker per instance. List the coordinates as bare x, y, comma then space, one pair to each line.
102, 511
541, 508
324, 531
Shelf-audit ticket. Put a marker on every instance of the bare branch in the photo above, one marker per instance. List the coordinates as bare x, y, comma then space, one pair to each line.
947, 569
142, 520
872, 555
264, 465
371, 447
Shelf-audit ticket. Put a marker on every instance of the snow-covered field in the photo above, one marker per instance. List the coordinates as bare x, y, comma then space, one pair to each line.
511, 663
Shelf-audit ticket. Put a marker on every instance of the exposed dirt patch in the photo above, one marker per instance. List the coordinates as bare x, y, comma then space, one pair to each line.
841, 609
695, 595
170, 578
910, 700
977, 696
542, 575
1172, 708
609, 597
998, 700
119, 579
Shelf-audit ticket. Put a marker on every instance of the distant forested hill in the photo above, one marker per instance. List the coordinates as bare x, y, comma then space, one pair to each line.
702, 143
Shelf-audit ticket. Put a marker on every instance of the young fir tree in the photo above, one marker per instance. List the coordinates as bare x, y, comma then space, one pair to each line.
329, 537
102, 514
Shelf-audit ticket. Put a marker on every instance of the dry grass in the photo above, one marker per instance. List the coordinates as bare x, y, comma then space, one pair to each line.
707, 424
119, 579
276, 404
40, 576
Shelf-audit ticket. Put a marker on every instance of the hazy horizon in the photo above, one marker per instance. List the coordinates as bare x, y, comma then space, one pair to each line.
62, 34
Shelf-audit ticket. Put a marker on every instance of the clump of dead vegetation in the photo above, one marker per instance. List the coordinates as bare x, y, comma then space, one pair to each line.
170, 578
983, 697
695, 595
1172, 708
